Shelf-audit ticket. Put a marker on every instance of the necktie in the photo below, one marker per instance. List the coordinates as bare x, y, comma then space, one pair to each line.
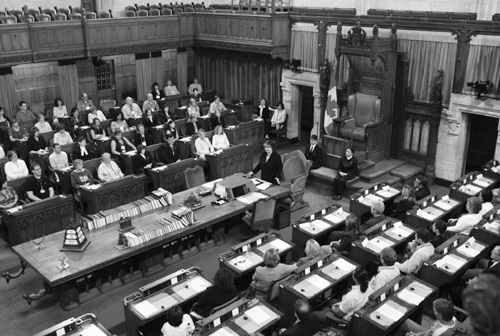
312, 149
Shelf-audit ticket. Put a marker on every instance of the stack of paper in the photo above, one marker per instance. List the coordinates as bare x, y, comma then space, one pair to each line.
450, 263
470, 248
493, 227
145, 308
410, 297
471, 189
443, 204
337, 217
374, 198
90, 330
311, 286
376, 244
321, 225
251, 197
426, 215
224, 331
389, 313
398, 233
258, 315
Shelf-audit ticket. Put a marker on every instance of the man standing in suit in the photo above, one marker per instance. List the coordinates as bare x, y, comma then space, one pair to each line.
314, 152
168, 152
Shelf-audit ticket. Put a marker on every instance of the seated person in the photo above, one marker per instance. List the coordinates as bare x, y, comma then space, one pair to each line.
307, 323
481, 302
144, 158
438, 228
131, 109
42, 125
348, 169
16, 132
62, 137
15, 168
75, 121
96, 130
405, 204
170, 89
57, 160
83, 151
341, 240
377, 209
217, 106
59, 111
193, 109
445, 324
314, 152
108, 170
36, 143
168, 152
216, 120
465, 223
486, 197
149, 104
84, 103
421, 250
202, 145
24, 115
8, 196
95, 113
38, 186
262, 111
222, 291
387, 272
313, 250
421, 187
170, 128
178, 323
149, 119
195, 86
164, 116
355, 299
80, 177
142, 137
119, 123
271, 271
157, 93
277, 120
220, 140
193, 126
120, 144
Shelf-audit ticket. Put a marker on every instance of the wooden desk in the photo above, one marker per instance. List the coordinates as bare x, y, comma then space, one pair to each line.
449, 263
145, 309
113, 193
381, 235
387, 315
316, 281
86, 324
491, 169
157, 133
171, 177
65, 174
104, 144
129, 159
470, 185
432, 208
360, 202
37, 219
235, 159
243, 111
22, 148
101, 262
250, 133
241, 318
317, 226
487, 232
43, 159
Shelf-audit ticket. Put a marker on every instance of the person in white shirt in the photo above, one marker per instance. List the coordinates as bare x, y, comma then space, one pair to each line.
170, 89
42, 125
95, 113
84, 103
2, 152
178, 323
355, 299
217, 105
108, 170
421, 250
445, 324
277, 120
387, 272
220, 140
486, 197
131, 109
59, 110
15, 167
202, 144
193, 109
150, 104
193, 86
58, 160
62, 137
465, 223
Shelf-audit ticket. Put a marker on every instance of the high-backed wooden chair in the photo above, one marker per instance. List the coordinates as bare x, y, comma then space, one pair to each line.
44, 18
75, 16
90, 15
262, 216
60, 17
296, 170
280, 133
129, 13
154, 12
194, 177
166, 11
142, 12
103, 15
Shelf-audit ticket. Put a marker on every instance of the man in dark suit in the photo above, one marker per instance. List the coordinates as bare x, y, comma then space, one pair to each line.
421, 187
314, 152
168, 152
193, 125
308, 322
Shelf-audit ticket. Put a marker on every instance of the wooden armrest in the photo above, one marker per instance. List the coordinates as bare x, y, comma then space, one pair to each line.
341, 119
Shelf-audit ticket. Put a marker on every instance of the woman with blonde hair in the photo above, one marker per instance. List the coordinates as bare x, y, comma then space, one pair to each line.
405, 204
313, 250
271, 271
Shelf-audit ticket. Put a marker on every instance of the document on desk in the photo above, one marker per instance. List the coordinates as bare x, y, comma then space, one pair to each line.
315, 227
244, 262
426, 214
224, 331
258, 315
338, 268
311, 286
483, 181
377, 244
470, 249
399, 233
91, 330
251, 198
450, 263
210, 185
198, 284
410, 297
387, 192
388, 312
278, 244
146, 308
493, 227
261, 184
337, 217
470, 189
445, 204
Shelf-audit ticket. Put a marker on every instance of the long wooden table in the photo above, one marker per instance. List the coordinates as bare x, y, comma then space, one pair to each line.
102, 262
37, 219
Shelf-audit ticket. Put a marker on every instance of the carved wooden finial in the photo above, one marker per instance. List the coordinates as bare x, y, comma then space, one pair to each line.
339, 27
375, 30
393, 28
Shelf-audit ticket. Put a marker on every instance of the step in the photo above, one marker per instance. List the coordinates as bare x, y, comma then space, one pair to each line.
380, 169
387, 179
365, 164
406, 172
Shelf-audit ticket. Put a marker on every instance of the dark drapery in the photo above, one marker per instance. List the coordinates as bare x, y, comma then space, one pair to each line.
7, 93
68, 78
239, 75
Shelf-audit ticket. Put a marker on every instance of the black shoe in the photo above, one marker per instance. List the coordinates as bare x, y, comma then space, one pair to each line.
337, 198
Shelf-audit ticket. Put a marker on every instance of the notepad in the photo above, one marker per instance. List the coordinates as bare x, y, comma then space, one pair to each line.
258, 315
320, 224
91, 330
492, 227
389, 312
145, 308
344, 265
198, 284
443, 205
450, 263
410, 297
224, 331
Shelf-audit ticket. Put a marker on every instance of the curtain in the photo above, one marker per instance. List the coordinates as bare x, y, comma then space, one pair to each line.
483, 64
237, 75
68, 78
143, 78
304, 45
157, 69
182, 68
7, 94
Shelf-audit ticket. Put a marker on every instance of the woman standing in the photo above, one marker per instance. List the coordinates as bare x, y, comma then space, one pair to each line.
270, 164
348, 169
